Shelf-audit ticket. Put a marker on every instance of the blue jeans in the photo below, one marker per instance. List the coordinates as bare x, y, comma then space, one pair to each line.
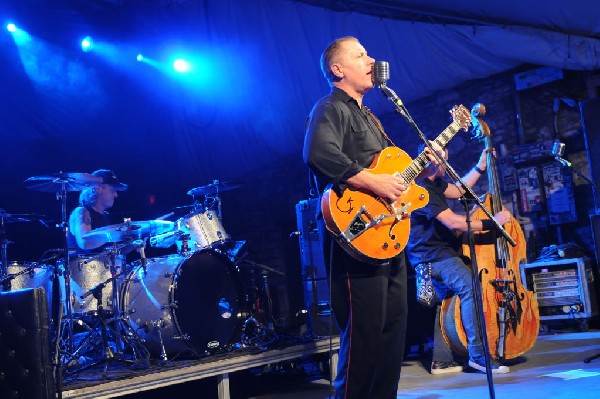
452, 273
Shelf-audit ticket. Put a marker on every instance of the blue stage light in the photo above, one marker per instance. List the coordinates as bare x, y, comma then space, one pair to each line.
87, 44
19, 35
139, 57
180, 65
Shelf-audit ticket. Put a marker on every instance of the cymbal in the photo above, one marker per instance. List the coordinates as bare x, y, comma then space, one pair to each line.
129, 230
56, 181
20, 217
214, 188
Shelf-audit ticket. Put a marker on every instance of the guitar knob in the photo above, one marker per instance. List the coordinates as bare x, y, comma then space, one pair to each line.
385, 245
397, 246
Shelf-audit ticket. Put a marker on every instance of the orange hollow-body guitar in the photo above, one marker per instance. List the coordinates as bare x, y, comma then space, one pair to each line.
373, 229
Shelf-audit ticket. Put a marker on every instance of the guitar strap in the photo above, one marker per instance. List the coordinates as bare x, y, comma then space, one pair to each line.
378, 124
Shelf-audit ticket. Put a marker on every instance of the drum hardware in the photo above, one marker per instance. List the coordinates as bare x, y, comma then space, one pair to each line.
253, 334
157, 326
185, 248
259, 328
234, 250
211, 195
61, 183
115, 332
5, 218
166, 240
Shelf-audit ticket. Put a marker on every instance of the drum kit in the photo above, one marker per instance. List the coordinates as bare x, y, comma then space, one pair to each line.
187, 304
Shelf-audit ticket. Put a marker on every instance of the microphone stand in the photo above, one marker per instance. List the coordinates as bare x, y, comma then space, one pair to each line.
569, 165
401, 109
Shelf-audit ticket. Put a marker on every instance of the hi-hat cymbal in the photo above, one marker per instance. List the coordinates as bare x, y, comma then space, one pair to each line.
55, 182
129, 231
20, 217
214, 188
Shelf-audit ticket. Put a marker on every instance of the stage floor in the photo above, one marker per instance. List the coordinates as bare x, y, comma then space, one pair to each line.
554, 368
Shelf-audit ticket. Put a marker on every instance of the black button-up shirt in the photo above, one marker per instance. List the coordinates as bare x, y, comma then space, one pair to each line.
341, 140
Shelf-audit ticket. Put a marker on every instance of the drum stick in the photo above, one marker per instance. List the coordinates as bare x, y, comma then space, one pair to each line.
163, 217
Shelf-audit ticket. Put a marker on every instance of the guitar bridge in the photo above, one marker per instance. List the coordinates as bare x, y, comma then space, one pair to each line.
359, 225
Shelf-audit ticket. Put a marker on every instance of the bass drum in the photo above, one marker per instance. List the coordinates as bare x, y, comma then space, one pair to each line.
189, 305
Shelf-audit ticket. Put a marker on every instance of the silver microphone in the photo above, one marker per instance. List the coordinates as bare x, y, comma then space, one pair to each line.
558, 148
381, 73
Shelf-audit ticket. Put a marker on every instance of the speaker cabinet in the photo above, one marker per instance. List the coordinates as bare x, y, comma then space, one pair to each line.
314, 272
595, 223
590, 119
25, 368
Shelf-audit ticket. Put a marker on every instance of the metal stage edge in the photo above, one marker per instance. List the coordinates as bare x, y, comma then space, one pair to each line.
220, 367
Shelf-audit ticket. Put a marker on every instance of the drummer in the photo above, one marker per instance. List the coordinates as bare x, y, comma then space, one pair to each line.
92, 211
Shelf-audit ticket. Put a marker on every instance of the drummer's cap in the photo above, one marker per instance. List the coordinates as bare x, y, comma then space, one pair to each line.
109, 177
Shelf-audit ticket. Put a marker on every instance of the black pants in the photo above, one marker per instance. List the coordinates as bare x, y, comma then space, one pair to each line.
370, 306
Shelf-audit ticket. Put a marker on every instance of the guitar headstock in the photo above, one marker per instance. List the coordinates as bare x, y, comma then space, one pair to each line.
480, 130
461, 115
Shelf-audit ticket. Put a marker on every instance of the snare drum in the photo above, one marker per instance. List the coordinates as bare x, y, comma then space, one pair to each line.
205, 230
88, 272
188, 304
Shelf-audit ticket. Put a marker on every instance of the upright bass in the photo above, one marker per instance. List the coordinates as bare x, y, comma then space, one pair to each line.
511, 313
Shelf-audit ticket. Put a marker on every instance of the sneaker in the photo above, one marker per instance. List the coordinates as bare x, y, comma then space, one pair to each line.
496, 368
445, 367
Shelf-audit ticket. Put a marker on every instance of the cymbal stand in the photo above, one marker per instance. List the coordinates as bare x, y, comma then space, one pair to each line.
218, 200
4, 242
259, 328
211, 199
57, 301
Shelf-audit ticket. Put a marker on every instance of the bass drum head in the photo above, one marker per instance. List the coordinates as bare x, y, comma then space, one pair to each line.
189, 306
208, 295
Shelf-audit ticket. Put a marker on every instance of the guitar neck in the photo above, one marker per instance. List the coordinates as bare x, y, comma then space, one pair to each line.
421, 161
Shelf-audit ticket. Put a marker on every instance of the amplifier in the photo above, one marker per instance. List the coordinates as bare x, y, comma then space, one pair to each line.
314, 272
564, 287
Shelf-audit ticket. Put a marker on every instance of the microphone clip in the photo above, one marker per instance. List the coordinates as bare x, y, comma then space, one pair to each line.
563, 162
